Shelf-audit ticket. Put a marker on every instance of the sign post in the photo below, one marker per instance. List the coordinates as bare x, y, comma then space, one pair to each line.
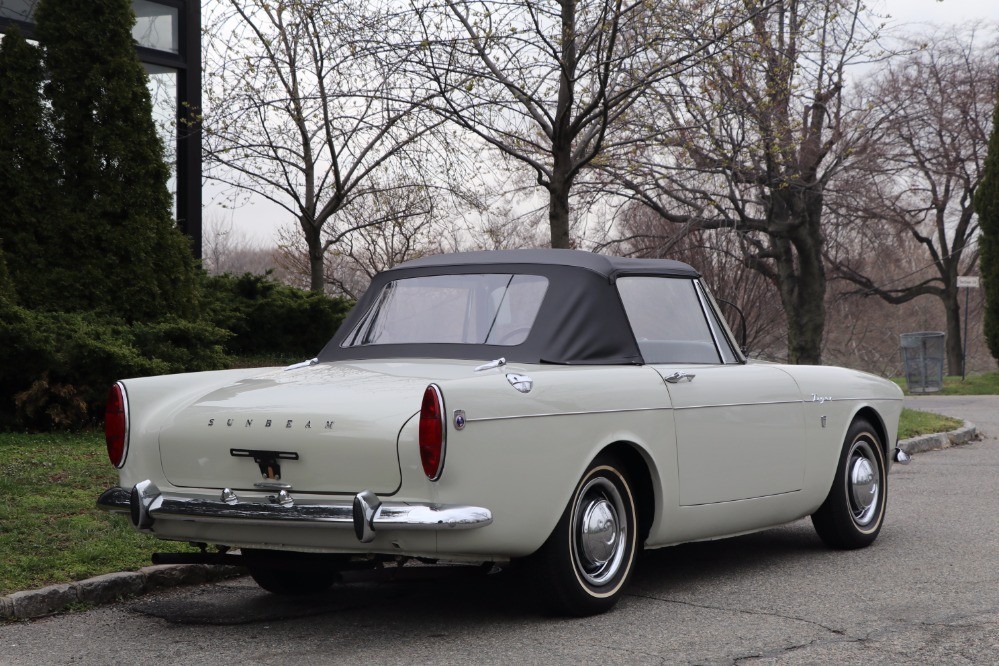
966, 282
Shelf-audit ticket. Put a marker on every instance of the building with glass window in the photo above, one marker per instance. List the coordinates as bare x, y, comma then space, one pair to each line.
168, 41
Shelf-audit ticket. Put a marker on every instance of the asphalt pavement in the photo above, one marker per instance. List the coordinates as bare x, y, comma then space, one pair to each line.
927, 592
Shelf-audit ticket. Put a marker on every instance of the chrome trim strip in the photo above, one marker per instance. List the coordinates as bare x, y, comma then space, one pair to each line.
128, 423
272, 485
744, 499
746, 404
664, 407
630, 409
440, 403
339, 514
533, 416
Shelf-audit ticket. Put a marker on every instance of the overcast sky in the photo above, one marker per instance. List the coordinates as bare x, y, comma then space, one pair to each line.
260, 219
941, 13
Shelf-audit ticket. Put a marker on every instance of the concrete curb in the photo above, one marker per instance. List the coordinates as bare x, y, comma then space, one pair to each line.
111, 587
941, 440
108, 588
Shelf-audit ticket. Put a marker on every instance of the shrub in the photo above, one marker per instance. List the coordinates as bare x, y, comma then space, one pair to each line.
268, 318
49, 405
6, 286
986, 202
184, 346
55, 362
57, 366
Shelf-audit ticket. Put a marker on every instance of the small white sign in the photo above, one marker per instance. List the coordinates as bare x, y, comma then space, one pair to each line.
967, 282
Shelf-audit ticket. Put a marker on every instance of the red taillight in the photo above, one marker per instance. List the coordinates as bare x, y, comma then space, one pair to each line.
432, 432
116, 425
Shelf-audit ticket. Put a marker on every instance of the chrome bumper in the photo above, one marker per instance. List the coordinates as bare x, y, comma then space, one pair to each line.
366, 513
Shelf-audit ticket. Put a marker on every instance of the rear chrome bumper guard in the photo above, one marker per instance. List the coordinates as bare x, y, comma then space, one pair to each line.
366, 513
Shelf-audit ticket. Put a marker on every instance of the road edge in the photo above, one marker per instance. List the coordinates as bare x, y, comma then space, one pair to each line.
114, 586
107, 588
941, 440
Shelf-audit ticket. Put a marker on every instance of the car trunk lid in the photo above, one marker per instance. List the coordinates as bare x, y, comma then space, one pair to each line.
328, 428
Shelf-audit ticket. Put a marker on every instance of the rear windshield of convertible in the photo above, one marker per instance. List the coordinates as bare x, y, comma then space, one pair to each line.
488, 308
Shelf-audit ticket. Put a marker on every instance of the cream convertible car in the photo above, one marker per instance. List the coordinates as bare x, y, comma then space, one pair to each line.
552, 406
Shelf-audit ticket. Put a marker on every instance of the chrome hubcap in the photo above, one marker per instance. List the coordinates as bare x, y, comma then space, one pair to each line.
600, 531
863, 483
862, 480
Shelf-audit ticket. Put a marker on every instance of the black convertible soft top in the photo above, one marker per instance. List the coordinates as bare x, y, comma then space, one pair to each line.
581, 319
602, 264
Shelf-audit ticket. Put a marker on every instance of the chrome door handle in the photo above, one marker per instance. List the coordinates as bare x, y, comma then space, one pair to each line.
678, 377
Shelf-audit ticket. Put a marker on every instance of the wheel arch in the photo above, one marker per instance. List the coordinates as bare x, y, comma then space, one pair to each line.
873, 417
640, 468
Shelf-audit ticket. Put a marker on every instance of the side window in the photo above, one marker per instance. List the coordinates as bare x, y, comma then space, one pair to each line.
667, 319
514, 309
719, 328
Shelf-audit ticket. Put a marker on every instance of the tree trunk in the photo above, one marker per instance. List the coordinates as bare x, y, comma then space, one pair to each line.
317, 273
806, 326
952, 306
558, 214
558, 193
561, 179
801, 273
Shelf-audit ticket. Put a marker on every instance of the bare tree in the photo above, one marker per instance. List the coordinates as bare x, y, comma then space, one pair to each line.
548, 82
719, 258
917, 181
228, 249
307, 105
409, 224
748, 142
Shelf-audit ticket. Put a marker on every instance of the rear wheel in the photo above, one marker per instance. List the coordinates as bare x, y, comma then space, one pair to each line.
852, 515
586, 562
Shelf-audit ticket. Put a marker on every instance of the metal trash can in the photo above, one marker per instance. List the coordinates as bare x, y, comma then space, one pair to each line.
923, 355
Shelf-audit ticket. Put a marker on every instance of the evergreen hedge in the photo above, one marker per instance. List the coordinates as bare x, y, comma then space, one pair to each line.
96, 281
58, 366
6, 286
28, 176
117, 248
267, 318
987, 206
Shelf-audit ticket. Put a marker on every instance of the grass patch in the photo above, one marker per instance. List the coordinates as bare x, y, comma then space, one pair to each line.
914, 423
983, 384
51, 531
